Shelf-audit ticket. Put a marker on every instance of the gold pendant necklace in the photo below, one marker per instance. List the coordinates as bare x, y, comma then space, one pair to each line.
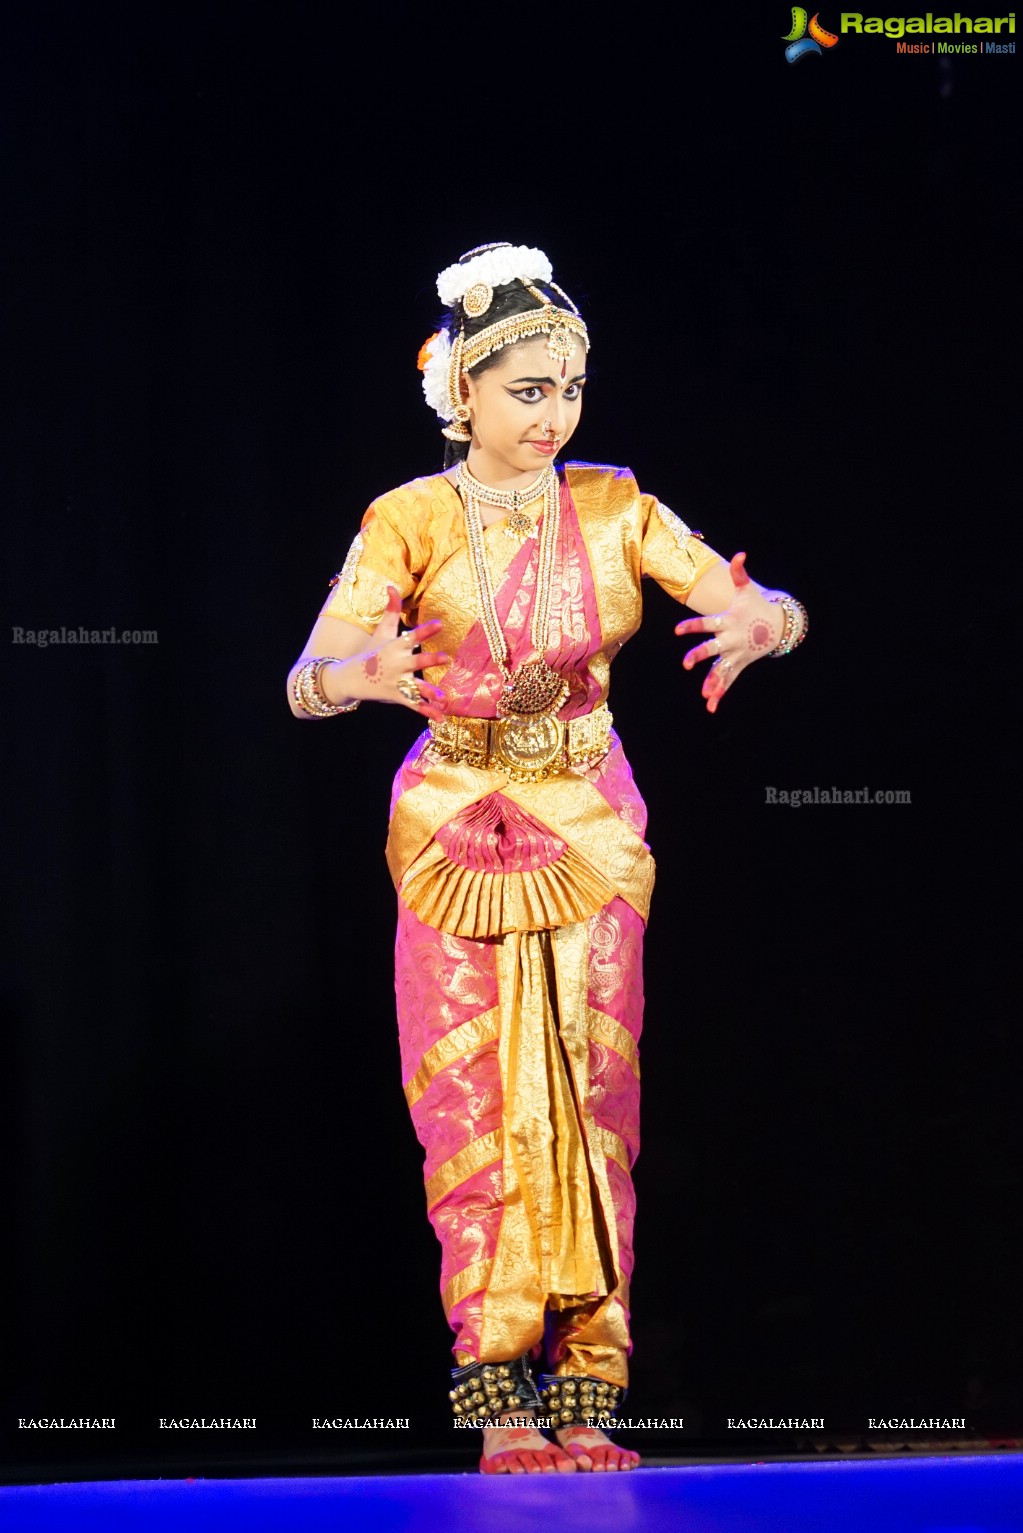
534, 688
518, 526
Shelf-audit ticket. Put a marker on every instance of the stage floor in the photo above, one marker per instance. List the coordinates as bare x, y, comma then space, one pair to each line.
980, 1493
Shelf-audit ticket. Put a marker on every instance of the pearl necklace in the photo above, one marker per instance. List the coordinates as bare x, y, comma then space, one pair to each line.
534, 687
518, 526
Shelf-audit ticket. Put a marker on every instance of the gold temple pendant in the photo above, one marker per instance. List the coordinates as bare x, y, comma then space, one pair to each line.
519, 527
533, 688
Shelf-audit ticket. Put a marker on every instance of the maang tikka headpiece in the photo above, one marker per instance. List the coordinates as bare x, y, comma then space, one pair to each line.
473, 280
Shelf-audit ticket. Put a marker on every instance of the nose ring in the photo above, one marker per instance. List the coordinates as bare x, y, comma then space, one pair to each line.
548, 429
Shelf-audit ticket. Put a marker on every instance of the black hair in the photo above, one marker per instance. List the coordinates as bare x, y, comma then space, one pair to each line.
510, 298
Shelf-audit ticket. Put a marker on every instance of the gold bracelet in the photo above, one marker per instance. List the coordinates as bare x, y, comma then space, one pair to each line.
309, 694
796, 621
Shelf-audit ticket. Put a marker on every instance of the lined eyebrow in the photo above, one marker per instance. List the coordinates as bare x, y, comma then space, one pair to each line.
577, 379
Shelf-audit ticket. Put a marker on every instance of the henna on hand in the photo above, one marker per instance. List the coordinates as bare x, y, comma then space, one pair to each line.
743, 635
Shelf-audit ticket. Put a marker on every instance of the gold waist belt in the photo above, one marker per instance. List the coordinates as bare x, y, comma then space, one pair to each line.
530, 748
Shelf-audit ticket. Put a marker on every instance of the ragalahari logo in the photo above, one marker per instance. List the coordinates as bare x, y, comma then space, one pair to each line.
799, 43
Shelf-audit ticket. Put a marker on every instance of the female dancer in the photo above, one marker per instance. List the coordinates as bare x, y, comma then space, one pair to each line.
516, 842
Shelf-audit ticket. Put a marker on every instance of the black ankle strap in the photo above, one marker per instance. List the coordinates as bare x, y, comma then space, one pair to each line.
483, 1391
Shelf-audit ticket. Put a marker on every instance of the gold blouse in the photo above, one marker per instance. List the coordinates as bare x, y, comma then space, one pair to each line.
414, 538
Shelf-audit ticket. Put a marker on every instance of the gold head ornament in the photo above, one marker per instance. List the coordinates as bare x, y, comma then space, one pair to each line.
472, 282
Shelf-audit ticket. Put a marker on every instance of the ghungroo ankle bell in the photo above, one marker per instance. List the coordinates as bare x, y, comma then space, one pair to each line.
482, 1391
577, 1400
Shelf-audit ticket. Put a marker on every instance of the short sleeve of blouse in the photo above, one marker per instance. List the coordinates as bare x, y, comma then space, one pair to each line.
672, 554
385, 552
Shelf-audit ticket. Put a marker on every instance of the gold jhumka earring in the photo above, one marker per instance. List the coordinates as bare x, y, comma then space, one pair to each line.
458, 431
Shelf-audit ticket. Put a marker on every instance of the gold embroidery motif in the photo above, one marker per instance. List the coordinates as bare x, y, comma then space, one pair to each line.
675, 525
673, 555
361, 600
346, 575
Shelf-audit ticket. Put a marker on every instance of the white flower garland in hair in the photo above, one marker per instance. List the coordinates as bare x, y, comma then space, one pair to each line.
495, 267
435, 374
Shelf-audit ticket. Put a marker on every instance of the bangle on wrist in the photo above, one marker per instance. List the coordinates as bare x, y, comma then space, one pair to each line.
794, 627
309, 694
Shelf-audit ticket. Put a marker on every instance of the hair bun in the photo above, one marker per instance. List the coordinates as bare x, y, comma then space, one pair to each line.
496, 265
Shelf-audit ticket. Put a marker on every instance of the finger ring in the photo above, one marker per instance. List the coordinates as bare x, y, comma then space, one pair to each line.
406, 638
718, 621
408, 688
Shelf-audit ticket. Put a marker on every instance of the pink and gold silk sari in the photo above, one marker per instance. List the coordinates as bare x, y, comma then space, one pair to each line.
521, 913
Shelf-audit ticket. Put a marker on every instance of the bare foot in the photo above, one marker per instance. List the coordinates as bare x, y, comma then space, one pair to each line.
522, 1450
592, 1449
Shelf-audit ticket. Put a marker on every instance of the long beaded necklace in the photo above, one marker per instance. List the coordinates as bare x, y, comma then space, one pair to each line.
533, 687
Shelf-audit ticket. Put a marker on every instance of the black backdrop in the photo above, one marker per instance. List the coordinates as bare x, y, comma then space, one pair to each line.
224, 223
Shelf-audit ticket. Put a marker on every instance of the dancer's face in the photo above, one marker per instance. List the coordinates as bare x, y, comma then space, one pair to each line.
510, 403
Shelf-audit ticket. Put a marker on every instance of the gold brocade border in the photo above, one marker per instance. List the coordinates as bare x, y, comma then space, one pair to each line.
471, 1279
463, 1164
607, 508
461, 1040
703, 558
608, 1031
515, 1294
613, 1147
571, 958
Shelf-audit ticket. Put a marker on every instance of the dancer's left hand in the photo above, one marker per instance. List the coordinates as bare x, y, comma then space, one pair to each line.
745, 631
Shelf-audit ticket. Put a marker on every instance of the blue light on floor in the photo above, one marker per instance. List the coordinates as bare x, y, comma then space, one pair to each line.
961, 1494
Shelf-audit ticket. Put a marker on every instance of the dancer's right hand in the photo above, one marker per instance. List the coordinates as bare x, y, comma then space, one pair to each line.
376, 673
